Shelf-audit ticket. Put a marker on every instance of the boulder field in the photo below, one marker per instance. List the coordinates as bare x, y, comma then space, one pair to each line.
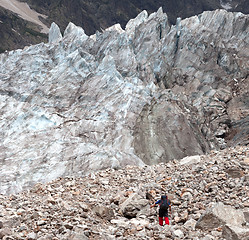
208, 193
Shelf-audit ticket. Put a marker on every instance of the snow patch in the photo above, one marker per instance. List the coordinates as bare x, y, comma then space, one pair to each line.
24, 11
226, 5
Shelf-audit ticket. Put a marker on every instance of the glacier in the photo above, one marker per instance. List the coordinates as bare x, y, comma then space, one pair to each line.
145, 94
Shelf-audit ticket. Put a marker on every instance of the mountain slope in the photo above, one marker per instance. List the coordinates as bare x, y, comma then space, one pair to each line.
17, 33
100, 14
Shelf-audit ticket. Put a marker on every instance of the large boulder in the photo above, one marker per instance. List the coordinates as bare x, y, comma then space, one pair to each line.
190, 160
235, 233
164, 131
131, 206
246, 215
104, 212
220, 215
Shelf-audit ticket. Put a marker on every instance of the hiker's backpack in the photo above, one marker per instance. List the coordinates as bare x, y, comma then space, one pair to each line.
164, 204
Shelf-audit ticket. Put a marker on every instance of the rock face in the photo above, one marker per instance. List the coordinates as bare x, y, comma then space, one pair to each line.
93, 207
147, 94
164, 131
16, 32
235, 233
133, 205
95, 15
219, 215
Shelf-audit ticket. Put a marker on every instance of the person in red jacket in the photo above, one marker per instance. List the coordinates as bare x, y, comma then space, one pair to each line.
165, 205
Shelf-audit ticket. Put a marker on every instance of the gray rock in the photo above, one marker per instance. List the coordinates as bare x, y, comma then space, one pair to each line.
216, 233
131, 206
8, 238
46, 237
104, 212
84, 207
41, 222
190, 160
219, 215
5, 232
208, 237
178, 234
22, 228
235, 233
246, 215
190, 224
32, 236
119, 234
68, 226
121, 222
234, 172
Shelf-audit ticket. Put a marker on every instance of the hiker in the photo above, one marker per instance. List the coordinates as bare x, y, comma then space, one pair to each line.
164, 204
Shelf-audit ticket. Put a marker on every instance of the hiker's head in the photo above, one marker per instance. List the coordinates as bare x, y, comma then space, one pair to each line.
163, 197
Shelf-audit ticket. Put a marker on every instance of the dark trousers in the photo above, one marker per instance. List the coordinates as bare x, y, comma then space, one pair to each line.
163, 214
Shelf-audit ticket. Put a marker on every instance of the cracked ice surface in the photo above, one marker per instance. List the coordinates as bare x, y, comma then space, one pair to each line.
79, 104
64, 111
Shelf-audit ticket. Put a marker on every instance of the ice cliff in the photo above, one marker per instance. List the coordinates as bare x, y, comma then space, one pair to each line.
145, 94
